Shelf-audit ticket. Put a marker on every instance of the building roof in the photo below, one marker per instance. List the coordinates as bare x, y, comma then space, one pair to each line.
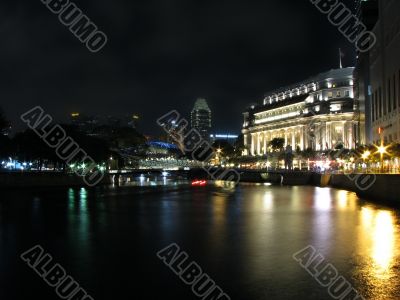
201, 104
332, 74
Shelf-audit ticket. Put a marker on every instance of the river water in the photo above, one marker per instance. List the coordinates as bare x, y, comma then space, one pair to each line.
107, 239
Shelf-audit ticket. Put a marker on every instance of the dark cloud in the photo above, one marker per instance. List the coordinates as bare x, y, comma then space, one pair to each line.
162, 55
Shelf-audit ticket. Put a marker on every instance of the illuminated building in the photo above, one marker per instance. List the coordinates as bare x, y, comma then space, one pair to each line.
385, 74
201, 118
317, 113
230, 138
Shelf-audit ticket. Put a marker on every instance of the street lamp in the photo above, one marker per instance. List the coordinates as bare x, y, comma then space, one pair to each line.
365, 156
382, 151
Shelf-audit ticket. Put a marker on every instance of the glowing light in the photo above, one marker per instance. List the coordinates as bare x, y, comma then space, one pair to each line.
199, 183
343, 199
382, 150
323, 199
366, 154
383, 236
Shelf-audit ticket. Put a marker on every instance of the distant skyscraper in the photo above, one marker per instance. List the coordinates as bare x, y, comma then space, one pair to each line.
201, 118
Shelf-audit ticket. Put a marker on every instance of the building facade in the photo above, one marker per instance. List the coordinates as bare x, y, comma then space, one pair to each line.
367, 13
201, 118
385, 74
318, 113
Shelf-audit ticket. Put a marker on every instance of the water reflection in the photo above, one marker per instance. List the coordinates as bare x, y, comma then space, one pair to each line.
268, 201
379, 234
323, 199
79, 219
383, 235
379, 243
247, 234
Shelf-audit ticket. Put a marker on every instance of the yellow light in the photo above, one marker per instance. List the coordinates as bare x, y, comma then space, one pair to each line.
219, 150
74, 115
382, 150
383, 234
366, 154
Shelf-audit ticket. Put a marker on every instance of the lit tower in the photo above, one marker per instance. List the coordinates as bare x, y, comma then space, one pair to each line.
201, 118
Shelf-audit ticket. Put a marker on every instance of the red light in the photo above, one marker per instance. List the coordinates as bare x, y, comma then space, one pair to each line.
199, 183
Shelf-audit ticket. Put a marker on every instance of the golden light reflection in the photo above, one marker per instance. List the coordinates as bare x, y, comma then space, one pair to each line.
323, 199
383, 237
268, 201
379, 239
343, 199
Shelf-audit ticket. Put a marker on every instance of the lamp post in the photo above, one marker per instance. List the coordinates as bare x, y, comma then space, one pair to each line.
365, 156
382, 151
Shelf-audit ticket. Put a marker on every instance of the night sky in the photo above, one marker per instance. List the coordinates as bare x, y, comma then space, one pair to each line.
162, 55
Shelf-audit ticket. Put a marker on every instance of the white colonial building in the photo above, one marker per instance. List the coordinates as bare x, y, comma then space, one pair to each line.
319, 113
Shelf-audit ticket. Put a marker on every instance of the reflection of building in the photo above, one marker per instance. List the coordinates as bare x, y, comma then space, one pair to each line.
385, 74
367, 12
201, 118
317, 113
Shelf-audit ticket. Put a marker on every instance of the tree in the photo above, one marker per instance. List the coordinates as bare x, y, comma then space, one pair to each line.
277, 144
239, 146
309, 153
226, 148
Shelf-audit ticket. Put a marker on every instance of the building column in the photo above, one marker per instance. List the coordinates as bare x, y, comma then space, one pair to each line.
328, 134
350, 135
344, 135
302, 138
286, 138
293, 139
265, 143
258, 144
252, 144
245, 144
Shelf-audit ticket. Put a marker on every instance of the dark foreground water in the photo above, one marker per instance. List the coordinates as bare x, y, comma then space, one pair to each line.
107, 239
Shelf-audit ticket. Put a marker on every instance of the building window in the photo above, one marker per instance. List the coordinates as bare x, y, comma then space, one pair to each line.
347, 93
338, 94
330, 95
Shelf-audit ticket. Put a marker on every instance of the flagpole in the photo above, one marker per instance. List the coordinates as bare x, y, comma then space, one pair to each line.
340, 59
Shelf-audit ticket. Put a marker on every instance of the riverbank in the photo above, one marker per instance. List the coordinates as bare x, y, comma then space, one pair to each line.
380, 188
28, 180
